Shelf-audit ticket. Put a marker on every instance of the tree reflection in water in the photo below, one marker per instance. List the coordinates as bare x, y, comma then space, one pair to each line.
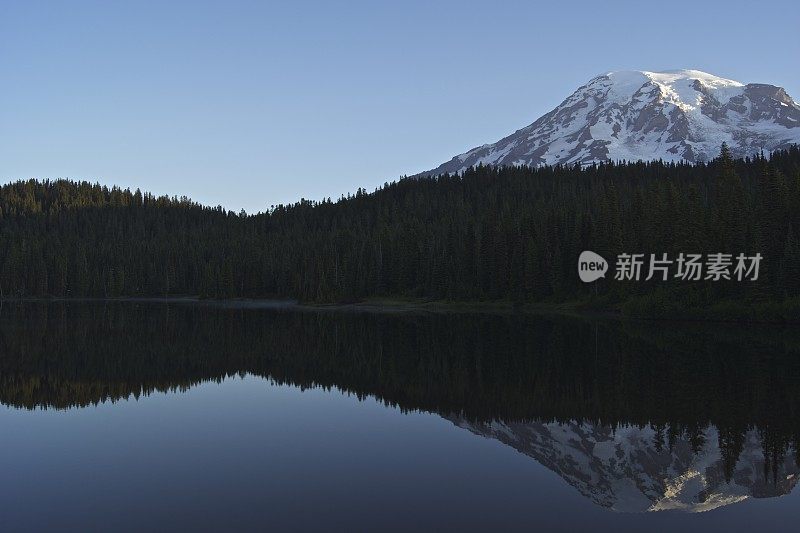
637, 416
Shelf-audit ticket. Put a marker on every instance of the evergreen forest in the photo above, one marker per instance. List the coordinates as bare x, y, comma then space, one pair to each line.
510, 234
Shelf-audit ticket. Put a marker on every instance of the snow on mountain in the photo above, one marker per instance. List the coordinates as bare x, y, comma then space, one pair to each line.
622, 469
680, 115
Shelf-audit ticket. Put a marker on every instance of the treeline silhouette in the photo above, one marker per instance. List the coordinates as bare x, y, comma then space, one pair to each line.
481, 367
510, 234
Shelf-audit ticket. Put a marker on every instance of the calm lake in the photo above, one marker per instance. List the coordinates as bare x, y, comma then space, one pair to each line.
130, 416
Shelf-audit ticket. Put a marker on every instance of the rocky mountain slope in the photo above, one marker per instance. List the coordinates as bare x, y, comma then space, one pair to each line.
622, 468
682, 115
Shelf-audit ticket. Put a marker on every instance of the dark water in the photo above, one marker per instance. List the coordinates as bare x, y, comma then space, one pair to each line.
131, 416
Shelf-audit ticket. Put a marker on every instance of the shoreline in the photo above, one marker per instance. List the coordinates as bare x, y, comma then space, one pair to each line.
386, 305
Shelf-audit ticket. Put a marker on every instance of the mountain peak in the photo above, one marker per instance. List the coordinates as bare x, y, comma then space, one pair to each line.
623, 469
672, 115
667, 76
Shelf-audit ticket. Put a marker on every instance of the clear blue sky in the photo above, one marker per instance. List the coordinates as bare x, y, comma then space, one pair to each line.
248, 104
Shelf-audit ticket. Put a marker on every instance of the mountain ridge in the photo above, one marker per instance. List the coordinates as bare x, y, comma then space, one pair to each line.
622, 469
673, 115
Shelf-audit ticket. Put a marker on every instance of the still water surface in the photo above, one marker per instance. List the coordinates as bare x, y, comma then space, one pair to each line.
128, 416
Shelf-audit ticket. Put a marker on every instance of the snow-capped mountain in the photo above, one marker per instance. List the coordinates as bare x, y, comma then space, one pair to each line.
638, 115
623, 470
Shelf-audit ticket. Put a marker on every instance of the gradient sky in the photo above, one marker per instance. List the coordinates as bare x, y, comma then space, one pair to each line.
248, 104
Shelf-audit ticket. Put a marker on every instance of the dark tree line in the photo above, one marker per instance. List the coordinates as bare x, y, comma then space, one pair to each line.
510, 233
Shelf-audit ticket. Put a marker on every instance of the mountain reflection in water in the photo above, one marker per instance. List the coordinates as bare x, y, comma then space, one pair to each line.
635, 416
